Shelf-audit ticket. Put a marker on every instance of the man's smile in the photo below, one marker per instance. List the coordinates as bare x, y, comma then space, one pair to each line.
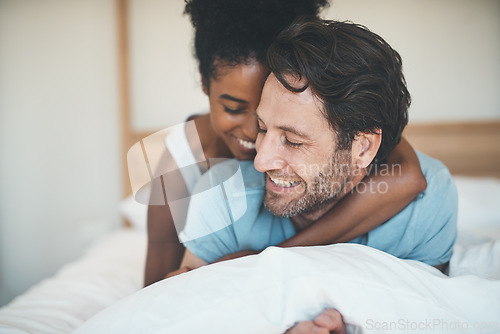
281, 184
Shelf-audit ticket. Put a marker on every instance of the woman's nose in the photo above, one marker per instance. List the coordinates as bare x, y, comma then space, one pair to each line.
250, 127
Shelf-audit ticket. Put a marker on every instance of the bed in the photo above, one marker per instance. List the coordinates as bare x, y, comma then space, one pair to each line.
267, 293
105, 285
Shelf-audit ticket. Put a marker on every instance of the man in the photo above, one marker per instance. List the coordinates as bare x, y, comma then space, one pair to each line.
334, 105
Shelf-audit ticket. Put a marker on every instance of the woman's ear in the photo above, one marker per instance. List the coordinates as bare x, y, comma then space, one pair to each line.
365, 147
204, 84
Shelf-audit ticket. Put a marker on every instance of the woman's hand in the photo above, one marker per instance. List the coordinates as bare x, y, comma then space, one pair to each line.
185, 269
179, 271
237, 255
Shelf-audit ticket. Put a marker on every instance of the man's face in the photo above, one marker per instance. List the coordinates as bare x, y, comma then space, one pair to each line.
296, 148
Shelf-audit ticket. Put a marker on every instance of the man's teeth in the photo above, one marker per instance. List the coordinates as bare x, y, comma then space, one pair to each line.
284, 183
246, 144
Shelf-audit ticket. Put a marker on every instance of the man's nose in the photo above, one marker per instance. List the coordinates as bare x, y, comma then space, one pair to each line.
268, 156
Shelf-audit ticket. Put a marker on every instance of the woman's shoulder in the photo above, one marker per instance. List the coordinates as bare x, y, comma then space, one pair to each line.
195, 116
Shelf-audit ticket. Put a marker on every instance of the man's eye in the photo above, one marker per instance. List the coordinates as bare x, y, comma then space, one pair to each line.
261, 130
292, 144
233, 111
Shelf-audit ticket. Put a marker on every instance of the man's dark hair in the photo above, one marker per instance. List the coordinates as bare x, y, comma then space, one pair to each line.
355, 74
234, 32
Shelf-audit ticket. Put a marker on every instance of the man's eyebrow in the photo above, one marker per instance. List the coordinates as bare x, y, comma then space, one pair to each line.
295, 131
232, 98
285, 128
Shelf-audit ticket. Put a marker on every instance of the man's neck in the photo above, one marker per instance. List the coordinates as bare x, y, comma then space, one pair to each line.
303, 220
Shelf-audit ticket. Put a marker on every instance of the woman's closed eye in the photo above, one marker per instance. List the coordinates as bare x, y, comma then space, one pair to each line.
234, 111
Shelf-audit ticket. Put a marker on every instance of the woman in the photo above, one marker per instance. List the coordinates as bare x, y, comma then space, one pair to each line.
231, 40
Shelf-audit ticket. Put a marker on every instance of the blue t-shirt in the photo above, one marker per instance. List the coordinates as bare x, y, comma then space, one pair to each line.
228, 215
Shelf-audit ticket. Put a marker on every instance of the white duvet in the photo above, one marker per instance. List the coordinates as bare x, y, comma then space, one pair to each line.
268, 293
113, 268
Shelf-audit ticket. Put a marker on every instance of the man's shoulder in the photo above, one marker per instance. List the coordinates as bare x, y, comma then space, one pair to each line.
426, 229
232, 193
233, 187
440, 185
432, 216
431, 166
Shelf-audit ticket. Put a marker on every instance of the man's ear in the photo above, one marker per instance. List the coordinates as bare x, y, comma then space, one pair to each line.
365, 147
204, 84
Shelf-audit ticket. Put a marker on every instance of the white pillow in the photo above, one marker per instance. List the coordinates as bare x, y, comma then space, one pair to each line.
478, 206
476, 259
134, 212
268, 293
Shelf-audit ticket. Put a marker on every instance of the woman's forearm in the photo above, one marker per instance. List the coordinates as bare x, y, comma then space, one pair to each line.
164, 251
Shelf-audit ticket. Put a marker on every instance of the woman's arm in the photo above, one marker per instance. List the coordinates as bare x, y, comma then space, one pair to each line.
380, 196
164, 252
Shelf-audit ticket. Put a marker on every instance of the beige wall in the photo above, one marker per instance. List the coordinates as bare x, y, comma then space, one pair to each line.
450, 51
59, 144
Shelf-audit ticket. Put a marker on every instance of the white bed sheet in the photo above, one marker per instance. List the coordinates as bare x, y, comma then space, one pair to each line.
110, 270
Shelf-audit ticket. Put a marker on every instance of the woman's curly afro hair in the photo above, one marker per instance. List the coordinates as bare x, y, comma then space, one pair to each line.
233, 32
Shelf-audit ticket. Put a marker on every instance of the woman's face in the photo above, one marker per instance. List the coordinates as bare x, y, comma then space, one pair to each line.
234, 96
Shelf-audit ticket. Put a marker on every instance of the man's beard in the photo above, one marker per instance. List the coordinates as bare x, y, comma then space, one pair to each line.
327, 186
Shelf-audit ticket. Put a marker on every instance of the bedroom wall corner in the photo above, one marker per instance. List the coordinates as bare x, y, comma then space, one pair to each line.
60, 180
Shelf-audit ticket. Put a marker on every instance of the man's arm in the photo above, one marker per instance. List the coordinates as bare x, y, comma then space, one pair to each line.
435, 226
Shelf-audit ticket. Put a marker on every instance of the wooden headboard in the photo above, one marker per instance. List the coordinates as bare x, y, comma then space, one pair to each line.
467, 148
